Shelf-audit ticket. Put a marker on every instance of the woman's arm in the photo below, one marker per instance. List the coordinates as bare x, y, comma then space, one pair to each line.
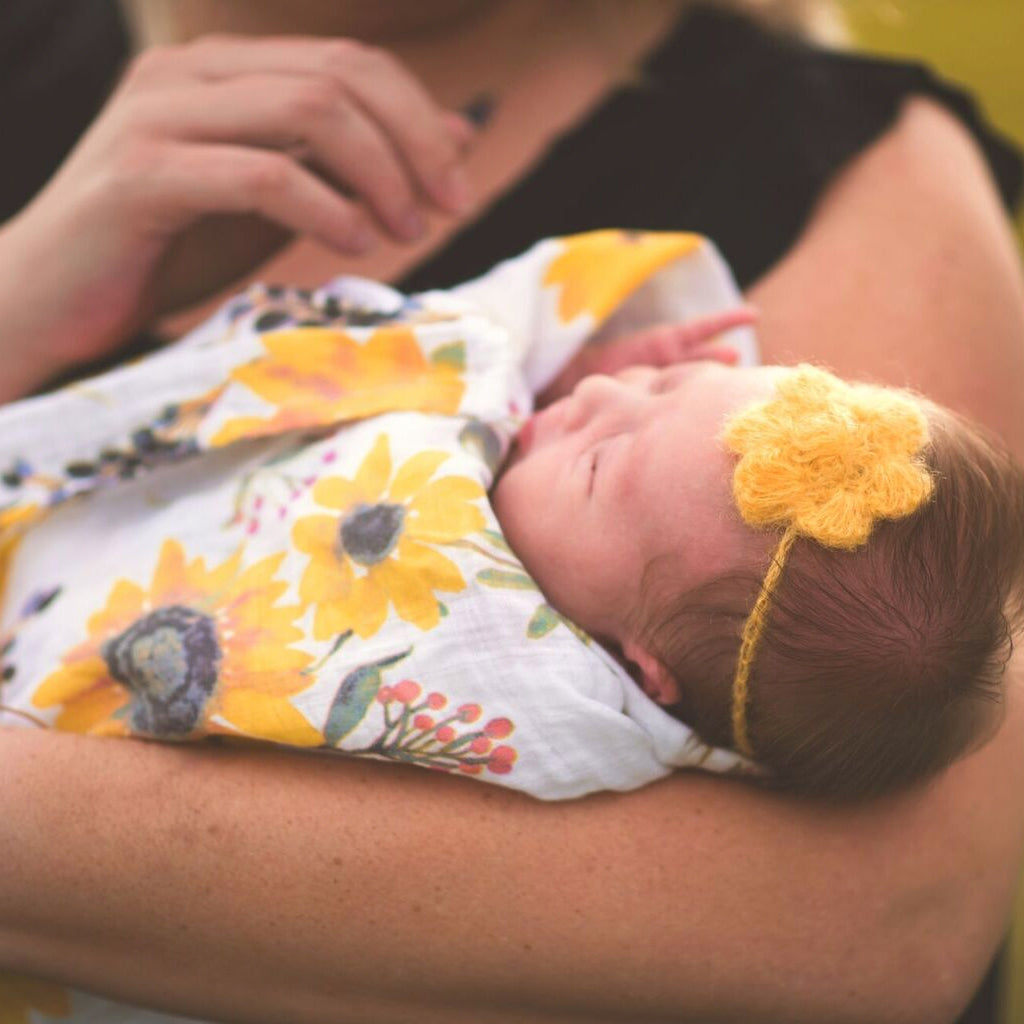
289, 888
909, 274
202, 163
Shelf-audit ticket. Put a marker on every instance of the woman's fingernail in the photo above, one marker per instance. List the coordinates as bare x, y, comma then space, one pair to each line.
453, 190
412, 226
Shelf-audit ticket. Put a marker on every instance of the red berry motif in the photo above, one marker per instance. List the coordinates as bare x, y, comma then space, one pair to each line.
417, 730
470, 712
502, 760
407, 691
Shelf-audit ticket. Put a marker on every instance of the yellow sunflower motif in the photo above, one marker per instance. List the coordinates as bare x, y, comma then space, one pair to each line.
14, 523
374, 551
599, 269
20, 996
827, 459
317, 375
197, 643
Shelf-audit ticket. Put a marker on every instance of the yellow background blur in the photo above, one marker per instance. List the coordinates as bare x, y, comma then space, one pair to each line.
977, 42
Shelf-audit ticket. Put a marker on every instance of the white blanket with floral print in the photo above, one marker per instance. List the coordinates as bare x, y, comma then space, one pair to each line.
278, 528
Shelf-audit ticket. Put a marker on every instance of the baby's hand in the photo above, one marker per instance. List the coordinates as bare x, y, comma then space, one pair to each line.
663, 345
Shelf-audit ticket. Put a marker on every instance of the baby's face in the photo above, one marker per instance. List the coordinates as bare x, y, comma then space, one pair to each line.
623, 470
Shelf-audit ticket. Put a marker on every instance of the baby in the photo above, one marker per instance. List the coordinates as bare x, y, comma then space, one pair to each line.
876, 656
238, 564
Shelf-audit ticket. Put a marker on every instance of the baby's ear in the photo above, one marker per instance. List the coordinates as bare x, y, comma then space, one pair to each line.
657, 682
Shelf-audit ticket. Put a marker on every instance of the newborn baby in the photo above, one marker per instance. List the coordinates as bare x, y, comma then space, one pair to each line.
280, 531
875, 655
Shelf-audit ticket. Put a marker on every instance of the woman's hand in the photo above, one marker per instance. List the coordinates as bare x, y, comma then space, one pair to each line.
206, 158
661, 345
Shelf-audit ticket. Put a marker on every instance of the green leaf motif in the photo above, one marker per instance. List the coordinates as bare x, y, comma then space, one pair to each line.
482, 440
506, 579
544, 619
450, 355
339, 640
497, 540
354, 697
581, 635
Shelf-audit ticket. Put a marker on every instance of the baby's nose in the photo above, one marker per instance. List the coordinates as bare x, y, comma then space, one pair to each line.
600, 394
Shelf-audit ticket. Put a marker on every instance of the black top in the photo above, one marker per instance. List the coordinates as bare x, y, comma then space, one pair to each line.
734, 132
58, 60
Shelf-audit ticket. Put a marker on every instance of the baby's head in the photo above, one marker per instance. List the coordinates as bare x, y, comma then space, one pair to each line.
876, 666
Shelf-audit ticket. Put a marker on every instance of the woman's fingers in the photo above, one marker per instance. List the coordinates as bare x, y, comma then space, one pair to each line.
427, 140
325, 138
417, 128
311, 121
193, 180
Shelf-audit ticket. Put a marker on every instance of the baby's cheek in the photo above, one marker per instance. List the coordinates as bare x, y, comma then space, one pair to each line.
511, 500
528, 521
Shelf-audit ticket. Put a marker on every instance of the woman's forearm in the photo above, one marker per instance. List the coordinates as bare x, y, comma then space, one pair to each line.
291, 888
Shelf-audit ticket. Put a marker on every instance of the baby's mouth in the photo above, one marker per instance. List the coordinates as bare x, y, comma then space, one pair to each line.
525, 437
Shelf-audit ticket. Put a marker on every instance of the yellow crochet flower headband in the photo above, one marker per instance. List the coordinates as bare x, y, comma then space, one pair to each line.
823, 459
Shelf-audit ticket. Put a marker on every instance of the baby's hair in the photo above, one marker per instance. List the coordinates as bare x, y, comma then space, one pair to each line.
880, 666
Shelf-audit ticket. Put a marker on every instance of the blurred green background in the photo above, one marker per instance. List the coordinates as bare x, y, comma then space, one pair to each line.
977, 42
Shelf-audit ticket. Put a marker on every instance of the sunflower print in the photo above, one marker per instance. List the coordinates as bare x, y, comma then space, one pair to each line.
14, 521
20, 996
373, 551
598, 270
200, 651
316, 376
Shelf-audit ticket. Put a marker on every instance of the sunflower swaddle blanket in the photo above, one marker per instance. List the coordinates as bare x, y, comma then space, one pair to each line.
278, 528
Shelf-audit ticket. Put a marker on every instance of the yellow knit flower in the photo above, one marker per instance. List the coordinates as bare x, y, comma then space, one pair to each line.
198, 643
20, 995
599, 269
316, 376
828, 459
373, 552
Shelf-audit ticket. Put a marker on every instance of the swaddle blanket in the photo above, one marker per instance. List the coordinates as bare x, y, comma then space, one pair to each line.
278, 528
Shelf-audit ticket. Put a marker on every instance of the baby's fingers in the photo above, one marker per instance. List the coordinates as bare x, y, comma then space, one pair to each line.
716, 352
707, 327
667, 344
673, 343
